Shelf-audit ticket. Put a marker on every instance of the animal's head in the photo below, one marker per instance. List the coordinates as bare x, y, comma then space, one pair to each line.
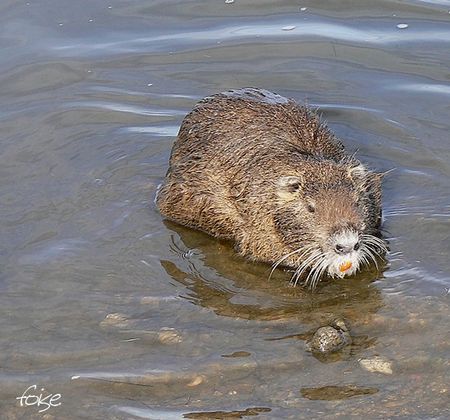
327, 213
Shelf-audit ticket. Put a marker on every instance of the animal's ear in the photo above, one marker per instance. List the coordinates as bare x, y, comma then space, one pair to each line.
288, 186
357, 171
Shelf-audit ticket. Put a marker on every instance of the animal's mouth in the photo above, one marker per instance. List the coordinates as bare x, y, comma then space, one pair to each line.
335, 261
361, 249
344, 255
345, 266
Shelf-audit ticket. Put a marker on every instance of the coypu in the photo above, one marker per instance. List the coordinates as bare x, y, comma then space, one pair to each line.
256, 168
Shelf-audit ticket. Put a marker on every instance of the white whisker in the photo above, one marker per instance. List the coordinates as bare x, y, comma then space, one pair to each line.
363, 257
373, 240
316, 272
369, 252
319, 273
276, 264
305, 264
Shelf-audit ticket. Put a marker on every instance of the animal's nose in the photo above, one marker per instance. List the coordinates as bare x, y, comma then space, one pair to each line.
346, 249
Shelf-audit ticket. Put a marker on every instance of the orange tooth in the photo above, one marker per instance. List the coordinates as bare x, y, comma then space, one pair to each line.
345, 266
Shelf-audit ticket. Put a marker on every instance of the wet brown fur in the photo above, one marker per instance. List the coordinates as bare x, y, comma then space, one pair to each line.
253, 167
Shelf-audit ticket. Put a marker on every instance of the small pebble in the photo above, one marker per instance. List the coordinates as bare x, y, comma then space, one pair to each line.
169, 336
115, 319
377, 364
402, 25
196, 381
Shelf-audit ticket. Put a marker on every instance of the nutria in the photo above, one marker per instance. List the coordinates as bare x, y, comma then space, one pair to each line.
256, 168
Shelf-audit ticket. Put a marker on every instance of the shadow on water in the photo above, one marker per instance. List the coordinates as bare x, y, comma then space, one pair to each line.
231, 286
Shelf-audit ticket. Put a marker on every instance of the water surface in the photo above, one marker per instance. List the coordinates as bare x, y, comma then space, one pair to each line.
128, 316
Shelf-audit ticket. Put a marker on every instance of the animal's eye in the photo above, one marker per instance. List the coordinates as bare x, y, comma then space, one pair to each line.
311, 208
290, 183
294, 187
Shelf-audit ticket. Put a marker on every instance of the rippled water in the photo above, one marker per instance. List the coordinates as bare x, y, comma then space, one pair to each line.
128, 316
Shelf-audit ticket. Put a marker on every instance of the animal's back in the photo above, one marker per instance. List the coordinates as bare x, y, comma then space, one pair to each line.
235, 127
229, 141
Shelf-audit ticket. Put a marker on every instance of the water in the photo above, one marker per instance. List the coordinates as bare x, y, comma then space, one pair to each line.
128, 316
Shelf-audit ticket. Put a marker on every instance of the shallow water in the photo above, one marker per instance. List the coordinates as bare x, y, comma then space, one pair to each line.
128, 316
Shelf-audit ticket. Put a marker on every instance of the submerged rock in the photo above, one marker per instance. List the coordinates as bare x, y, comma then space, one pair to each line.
333, 392
168, 335
330, 338
115, 320
377, 364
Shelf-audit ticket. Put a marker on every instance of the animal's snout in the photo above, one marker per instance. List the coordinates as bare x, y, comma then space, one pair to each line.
346, 241
346, 248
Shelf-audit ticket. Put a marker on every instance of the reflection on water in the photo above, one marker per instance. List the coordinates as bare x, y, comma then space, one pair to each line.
231, 286
127, 316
